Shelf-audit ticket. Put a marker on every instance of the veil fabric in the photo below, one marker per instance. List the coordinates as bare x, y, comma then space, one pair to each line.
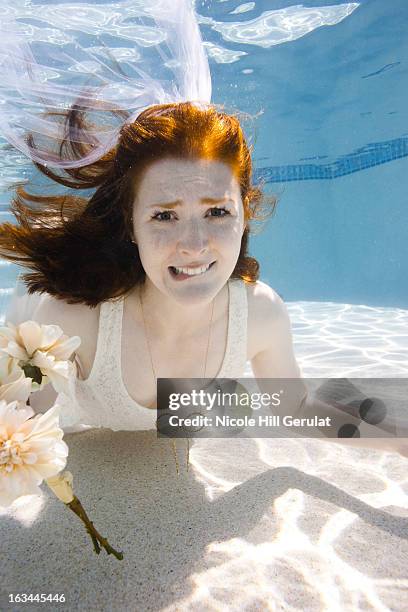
47, 65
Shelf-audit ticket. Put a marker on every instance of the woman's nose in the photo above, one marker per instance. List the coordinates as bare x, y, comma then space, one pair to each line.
193, 240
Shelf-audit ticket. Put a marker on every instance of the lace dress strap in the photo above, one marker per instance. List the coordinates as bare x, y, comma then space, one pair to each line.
89, 402
106, 365
236, 350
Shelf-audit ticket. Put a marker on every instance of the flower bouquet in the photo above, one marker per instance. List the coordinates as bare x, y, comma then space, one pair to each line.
31, 446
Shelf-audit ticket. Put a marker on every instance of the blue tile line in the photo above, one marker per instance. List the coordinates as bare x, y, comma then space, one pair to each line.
372, 154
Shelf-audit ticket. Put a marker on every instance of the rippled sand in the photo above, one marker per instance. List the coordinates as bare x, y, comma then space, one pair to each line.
256, 524
337, 340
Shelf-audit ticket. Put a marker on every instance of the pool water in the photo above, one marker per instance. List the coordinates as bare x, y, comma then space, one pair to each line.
289, 524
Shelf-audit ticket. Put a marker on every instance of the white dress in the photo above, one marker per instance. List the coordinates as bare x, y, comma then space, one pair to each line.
102, 399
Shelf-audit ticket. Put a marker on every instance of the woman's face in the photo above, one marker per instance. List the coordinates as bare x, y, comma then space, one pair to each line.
188, 214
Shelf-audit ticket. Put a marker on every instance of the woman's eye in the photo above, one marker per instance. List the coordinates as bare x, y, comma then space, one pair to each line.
219, 210
157, 215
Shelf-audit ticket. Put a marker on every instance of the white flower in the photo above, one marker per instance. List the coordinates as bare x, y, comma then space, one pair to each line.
14, 386
30, 346
61, 485
31, 450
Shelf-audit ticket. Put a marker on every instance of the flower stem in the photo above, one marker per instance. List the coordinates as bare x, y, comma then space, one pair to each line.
97, 539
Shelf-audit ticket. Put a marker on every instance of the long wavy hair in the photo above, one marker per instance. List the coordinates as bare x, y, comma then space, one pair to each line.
80, 249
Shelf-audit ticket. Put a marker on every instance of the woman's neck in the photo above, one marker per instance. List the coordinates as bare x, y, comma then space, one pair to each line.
168, 319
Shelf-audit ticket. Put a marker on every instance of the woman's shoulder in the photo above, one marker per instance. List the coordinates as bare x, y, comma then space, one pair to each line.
75, 320
265, 309
51, 310
264, 299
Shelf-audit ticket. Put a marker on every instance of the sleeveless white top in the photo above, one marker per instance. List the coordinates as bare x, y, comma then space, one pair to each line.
102, 399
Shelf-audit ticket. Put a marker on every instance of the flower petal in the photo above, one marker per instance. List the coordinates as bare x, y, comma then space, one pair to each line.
60, 375
31, 335
19, 390
13, 416
43, 360
45, 423
10, 490
51, 334
63, 350
8, 333
16, 350
30, 457
9, 368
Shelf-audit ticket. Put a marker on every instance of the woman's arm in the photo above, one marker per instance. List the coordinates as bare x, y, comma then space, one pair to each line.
276, 359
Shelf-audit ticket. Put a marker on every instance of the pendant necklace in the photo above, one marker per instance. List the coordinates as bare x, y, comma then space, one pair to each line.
155, 377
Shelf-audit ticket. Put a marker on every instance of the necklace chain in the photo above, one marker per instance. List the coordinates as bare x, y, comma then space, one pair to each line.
155, 377
148, 343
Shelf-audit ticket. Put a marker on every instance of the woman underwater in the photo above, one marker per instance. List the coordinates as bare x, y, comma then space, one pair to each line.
153, 272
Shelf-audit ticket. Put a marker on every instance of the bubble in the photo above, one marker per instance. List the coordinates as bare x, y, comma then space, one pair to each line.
348, 431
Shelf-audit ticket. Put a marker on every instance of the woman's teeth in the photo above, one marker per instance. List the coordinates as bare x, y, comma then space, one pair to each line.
191, 271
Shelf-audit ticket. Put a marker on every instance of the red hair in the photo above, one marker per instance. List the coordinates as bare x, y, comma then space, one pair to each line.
79, 249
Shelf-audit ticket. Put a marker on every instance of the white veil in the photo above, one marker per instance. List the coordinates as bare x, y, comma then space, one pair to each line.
48, 67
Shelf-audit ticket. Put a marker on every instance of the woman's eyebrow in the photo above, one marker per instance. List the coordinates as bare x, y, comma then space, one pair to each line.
202, 201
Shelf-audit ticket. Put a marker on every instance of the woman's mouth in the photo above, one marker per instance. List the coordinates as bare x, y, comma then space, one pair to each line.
184, 273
